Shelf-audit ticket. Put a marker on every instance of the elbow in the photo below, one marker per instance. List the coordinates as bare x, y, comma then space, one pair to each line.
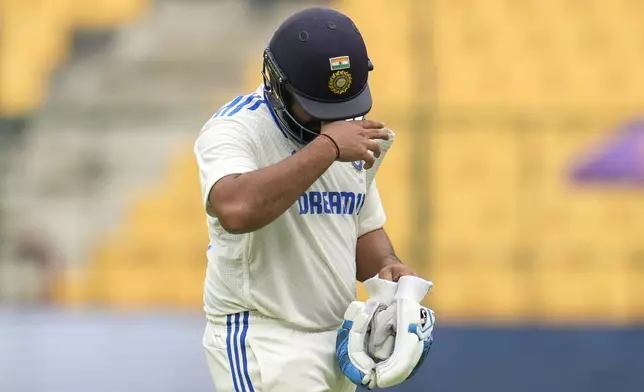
236, 219
236, 213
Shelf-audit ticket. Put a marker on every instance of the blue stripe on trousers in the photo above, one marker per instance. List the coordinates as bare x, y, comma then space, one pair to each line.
229, 346
244, 357
239, 374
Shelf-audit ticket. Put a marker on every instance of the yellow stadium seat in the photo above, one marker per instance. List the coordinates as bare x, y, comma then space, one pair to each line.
504, 295
583, 290
389, 49
634, 276
184, 172
185, 287
474, 160
35, 39
72, 289
132, 287
107, 13
25, 68
454, 296
533, 53
361, 292
395, 184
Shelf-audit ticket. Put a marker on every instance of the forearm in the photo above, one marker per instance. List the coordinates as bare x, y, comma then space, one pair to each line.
263, 195
369, 270
374, 252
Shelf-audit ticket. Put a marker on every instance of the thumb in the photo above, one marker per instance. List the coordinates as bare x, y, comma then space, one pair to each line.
386, 274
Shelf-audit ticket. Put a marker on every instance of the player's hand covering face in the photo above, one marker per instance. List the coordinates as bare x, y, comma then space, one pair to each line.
309, 122
356, 140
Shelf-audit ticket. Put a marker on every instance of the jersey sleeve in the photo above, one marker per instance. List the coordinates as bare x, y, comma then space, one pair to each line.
222, 149
372, 216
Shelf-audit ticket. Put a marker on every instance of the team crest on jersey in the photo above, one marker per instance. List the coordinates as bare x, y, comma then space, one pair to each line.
340, 82
358, 166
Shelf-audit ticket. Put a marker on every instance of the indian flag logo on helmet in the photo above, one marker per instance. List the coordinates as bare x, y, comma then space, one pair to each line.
338, 63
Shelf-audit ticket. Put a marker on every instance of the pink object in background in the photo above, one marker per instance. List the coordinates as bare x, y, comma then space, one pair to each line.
618, 160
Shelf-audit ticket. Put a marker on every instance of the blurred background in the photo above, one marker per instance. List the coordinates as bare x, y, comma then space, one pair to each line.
515, 184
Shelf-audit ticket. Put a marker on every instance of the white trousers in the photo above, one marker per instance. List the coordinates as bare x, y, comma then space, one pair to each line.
247, 352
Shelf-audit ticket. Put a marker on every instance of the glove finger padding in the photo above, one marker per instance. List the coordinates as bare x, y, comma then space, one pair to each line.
351, 355
414, 326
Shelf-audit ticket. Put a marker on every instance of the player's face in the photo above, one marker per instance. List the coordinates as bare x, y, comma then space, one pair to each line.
305, 119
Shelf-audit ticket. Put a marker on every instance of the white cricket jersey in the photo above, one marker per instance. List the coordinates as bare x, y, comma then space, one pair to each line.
301, 267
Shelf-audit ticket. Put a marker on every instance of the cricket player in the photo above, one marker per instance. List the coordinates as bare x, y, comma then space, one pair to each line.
292, 224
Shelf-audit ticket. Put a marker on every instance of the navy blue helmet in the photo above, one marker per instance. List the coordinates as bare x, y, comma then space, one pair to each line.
318, 59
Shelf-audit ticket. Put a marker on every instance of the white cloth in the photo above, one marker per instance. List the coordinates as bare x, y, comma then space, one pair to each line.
301, 267
263, 355
382, 339
380, 342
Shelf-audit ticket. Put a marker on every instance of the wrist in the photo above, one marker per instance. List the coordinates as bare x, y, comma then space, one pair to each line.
321, 151
331, 142
390, 260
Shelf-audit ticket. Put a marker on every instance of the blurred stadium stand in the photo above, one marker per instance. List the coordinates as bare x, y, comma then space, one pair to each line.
495, 99
140, 93
491, 100
522, 88
46, 26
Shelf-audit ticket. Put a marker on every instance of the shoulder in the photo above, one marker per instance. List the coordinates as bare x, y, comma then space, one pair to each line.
245, 114
239, 106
